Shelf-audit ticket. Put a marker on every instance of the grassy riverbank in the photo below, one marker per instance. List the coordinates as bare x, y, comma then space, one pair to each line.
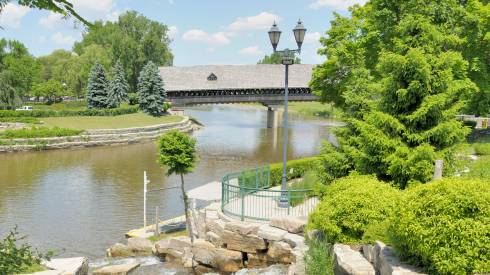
314, 109
109, 122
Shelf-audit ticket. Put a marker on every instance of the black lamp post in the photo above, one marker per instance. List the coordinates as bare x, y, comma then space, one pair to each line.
287, 58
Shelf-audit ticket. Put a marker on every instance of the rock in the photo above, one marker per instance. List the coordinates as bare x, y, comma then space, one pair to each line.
216, 226
271, 233
257, 260
222, 259
119, 250
248, 243
204, 252
386, 262
243, 228
350, 262
228, 260
173, 246
140, 245
280, 252
214, 239
368, 252
120, 269
201, 270
298, 267
315, 234
47, 272
69, 266
290, 224
294, 240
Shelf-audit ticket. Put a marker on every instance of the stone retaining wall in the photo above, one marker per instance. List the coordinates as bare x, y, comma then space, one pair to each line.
101, 137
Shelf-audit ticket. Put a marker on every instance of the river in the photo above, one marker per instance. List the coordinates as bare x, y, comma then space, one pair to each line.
80, 201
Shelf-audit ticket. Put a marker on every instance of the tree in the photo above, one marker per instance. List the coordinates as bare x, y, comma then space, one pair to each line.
9, 99
118, 87
151, 94
395, 68
134, 40
97, 87
51, 90
63, 7
177, 151
276, 58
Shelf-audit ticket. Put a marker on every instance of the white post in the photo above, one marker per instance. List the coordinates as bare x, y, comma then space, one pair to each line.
438, 169
145, 191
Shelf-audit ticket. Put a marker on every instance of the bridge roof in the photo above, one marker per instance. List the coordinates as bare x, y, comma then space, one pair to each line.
230, 77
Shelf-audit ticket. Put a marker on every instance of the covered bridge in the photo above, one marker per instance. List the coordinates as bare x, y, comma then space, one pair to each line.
209, 84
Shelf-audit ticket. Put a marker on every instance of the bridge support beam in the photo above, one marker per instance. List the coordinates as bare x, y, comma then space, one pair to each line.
272, 117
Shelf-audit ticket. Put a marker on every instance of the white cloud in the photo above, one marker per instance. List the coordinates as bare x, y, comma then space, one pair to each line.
94, 9
12, 14
336, 4
197, 35
312, 38
173, 31
261, 21
211, 50
252, 50
51, 21
61, 39
171, 2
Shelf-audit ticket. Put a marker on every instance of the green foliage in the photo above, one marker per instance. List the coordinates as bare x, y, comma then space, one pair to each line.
133, 39
319, 258
97, 88
63, 7
482, 148
9, 99
166, 106
332, 164
68, 112
294, 169
303, 189
444, 226
350, 206
133, 98
39, 132
177, 151
20, 119
470, 123
276, 58
118, 87
151, 94
18, 258
51, 89
479, 168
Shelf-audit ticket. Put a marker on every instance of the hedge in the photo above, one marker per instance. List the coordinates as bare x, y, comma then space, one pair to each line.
20, 119
62, 113
351, 206
444, 226
39, 132
294, 169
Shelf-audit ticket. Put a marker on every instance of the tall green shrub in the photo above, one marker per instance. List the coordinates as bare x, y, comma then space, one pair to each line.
445, 226
151, 94
350, 206
97, 87
118, 87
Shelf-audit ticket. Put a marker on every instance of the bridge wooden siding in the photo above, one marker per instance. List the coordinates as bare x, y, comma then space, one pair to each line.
235, 84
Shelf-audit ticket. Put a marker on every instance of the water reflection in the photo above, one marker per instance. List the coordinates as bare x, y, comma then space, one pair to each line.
81, 201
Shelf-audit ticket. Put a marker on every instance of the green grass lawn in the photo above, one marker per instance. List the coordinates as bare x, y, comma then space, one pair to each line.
314, 109
108, 122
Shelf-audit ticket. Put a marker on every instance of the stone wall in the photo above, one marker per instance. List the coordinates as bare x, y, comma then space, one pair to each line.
101, 137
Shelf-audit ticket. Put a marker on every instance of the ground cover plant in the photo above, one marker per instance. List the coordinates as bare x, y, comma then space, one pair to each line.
39, 132
319, 258
31, 120
444, 226
70, 112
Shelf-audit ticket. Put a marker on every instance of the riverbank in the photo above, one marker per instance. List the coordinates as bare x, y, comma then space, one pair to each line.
96, 137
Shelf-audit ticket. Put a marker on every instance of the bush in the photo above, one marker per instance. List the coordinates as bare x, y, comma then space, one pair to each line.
167, 105
39, 132
350, 206
63, 113
445, 226
332, 164
132, 98
319, 258
482, 149
19, 259
294, 169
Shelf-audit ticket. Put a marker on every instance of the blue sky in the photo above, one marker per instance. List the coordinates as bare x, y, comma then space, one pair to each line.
203, 31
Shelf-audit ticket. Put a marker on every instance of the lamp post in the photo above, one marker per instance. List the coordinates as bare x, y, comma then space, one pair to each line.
287, 58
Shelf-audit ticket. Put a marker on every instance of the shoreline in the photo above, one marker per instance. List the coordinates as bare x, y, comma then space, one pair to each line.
98, 137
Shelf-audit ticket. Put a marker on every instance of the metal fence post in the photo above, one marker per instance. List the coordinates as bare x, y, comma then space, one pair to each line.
243, 204
145, 191
157, 228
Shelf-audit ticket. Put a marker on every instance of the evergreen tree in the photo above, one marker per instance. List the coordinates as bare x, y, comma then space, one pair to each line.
118, 87
151, 94
97, 87
396, 70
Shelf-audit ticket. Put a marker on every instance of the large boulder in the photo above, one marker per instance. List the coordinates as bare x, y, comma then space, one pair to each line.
243, 228
120, 269
280, 252
215, 226
140, 245
173, 246
204, 252
257, 260
119, 250
69, 266
222, 259
271, 233
290, 224
214, 238
350, 262
386, 262
248, 243
294, 240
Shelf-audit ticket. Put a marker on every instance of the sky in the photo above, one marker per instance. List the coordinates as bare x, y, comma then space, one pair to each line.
204, 32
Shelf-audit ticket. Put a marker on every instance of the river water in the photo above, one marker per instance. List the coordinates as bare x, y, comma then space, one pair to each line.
80, 201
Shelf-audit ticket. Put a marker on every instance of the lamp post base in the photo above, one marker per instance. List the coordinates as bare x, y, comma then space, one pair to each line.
283, 202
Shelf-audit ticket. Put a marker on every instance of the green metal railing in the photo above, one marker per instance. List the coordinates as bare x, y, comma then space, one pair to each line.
247, 195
